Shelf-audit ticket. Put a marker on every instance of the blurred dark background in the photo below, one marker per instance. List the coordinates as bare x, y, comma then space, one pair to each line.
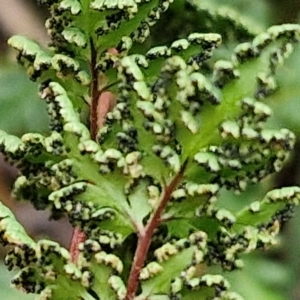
274, 275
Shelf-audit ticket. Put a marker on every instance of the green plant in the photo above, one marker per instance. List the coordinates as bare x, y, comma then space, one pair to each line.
140, 148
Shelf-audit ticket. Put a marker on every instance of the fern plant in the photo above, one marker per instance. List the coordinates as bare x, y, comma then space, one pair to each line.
140, 148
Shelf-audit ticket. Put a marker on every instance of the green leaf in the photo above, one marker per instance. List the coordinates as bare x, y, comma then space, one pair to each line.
139, 205
172, 268
12, 232
260, 212
100, 286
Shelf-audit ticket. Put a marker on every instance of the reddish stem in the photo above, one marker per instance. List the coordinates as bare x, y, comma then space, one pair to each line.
78, 236
145, 236
101, 103
95, 92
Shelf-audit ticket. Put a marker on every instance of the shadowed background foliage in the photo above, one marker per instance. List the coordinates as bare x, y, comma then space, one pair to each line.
274, 275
